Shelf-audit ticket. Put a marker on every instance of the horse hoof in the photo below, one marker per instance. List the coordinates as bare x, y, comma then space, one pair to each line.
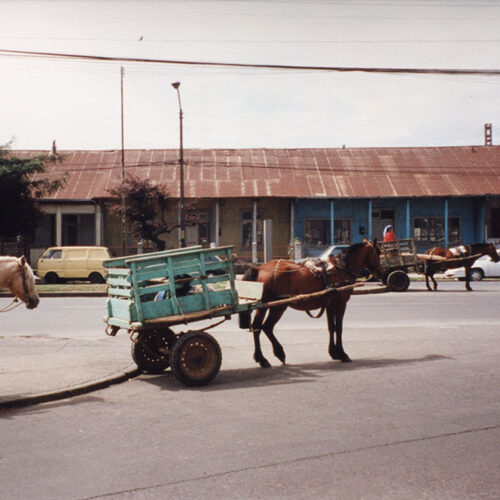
347, 359
265, 364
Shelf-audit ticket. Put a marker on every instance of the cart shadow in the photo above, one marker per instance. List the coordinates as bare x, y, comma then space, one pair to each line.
281, 375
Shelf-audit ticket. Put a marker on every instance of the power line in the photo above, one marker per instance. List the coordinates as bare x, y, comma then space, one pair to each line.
303, 167
343, 69
267, 41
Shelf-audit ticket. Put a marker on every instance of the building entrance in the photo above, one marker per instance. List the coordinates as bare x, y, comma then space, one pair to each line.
382, 217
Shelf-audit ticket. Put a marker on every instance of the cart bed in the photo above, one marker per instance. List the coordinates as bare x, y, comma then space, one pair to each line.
175, 286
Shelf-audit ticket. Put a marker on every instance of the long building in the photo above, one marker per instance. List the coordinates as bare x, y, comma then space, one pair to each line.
437, 195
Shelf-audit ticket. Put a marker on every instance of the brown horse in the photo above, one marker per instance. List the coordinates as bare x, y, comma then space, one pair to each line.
455, 254
283, 278
17, 276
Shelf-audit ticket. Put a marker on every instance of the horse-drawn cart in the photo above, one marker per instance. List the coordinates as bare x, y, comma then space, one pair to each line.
151, 293
397, 259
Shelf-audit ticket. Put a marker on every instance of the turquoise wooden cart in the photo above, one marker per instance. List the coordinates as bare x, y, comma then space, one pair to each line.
149, 294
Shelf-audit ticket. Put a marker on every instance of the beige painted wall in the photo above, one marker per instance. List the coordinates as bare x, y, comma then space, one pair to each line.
230, 214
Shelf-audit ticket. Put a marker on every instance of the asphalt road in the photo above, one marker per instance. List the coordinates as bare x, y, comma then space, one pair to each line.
416, 415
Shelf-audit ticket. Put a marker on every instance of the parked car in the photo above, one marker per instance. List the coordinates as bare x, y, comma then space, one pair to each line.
61, 263
323, 254
483, 267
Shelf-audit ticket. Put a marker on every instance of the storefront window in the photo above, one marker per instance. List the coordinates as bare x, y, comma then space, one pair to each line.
429, 231
317, 231
246, 229
78, 229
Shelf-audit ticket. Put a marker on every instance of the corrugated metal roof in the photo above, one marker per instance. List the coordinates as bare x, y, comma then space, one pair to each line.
293, 173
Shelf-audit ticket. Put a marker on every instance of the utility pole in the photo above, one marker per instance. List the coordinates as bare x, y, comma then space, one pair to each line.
124, 245
182, 217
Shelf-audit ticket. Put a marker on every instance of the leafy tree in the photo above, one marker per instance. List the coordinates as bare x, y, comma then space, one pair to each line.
146, 205
20, 192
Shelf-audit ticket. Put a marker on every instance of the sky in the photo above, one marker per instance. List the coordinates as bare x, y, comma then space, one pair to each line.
78, 103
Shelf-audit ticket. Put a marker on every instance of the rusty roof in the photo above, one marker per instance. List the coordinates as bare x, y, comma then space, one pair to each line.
290, 173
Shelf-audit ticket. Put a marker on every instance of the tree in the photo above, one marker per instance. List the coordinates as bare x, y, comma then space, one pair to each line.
146, 205
20, 192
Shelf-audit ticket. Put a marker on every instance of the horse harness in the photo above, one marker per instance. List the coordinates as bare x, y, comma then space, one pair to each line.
15, 301
320, 267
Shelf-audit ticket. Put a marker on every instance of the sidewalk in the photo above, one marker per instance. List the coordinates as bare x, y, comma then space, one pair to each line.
37, 369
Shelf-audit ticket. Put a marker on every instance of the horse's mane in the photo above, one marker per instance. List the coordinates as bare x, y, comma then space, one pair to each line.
26, 267
7, 257
355, 246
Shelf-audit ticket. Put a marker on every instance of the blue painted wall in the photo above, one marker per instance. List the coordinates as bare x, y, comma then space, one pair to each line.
469, 210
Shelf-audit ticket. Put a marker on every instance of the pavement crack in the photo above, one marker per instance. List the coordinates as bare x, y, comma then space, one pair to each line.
294, 461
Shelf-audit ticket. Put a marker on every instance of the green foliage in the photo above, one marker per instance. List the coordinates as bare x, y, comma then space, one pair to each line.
145, 206
20, 190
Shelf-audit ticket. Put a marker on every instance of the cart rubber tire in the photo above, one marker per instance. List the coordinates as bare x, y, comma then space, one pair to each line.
195, 358
151, 350
398, 281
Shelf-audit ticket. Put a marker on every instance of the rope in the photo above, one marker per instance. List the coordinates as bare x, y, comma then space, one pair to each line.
316, 316
10, 306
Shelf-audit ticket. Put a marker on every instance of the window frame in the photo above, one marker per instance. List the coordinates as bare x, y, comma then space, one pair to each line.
327, 239
433, 238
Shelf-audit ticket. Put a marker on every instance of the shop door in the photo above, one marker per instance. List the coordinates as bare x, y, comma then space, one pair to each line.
382, 217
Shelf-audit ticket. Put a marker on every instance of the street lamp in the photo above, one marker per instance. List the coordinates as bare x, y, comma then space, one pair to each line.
182, 219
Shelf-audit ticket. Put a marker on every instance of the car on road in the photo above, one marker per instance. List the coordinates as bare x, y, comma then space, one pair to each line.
73, 262
483, 267
323, 254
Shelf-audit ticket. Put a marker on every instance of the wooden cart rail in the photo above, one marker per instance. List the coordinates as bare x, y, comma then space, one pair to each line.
253, 304
136, 283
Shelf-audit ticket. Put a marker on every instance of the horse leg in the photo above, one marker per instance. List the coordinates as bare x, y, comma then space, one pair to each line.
335, 315
427, 274
273, 317
256, 328
467, 278
434, 282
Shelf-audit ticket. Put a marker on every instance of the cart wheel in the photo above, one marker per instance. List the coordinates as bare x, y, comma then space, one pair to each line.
196, 358
398, 281
151, 351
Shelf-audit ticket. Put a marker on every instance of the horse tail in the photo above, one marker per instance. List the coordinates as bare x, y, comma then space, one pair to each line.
245, 317
251, 274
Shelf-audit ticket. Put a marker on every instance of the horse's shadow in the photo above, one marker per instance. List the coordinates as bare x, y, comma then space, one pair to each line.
281, 375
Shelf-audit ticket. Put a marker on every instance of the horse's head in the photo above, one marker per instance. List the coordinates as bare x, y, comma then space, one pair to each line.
365, 255
373, 258
492, 253
22, 284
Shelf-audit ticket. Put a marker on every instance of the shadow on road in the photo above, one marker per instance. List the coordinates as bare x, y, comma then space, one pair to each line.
280, 375
10, 413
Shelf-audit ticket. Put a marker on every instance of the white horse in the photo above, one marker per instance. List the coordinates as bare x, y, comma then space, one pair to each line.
18, 277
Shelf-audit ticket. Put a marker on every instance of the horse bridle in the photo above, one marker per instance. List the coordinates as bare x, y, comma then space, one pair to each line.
15, 301
345, 267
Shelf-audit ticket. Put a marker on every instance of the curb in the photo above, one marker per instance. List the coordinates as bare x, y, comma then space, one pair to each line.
62, 294
69, 393
370, 290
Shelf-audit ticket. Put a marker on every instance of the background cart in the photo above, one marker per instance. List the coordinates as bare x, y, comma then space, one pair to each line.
398, 258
